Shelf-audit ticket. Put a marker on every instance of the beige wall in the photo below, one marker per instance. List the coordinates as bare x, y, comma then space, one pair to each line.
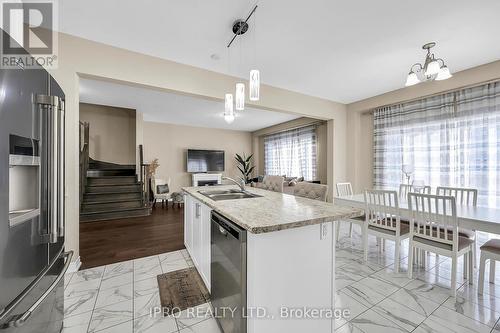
80, 57
322, 141
360, 123
112, 133
169, 143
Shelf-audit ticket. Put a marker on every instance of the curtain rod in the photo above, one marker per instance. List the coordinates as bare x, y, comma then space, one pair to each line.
314, 122
432, 95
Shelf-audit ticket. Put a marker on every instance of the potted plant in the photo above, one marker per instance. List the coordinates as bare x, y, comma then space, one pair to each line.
245, 166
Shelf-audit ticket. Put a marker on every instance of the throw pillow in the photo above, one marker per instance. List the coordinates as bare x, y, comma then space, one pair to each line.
162, 189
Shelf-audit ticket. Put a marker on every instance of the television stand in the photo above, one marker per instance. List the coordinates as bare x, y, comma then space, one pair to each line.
204, 179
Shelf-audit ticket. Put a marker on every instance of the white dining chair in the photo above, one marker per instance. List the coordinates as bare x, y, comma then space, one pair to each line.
344, 189
404, 189
434, 228
465, 197
489, 251
383, 220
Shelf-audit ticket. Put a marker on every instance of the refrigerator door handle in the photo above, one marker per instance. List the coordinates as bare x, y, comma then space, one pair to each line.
54, 107
20, 319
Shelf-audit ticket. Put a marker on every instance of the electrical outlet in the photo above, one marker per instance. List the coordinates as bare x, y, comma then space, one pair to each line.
323, 227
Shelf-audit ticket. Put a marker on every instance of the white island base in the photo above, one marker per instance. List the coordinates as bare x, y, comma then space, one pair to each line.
291, 269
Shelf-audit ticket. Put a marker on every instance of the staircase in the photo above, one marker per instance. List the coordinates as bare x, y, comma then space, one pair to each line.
111, 192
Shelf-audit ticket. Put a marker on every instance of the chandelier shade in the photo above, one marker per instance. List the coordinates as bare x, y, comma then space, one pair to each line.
432, 68
412, 79
443, 74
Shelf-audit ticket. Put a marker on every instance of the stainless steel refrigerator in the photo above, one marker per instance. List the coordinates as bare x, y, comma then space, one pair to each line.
32, 257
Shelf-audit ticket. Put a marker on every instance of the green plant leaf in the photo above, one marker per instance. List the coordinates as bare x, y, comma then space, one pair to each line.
249, 158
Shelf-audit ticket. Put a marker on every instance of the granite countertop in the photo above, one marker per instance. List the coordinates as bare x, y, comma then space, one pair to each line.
272, 211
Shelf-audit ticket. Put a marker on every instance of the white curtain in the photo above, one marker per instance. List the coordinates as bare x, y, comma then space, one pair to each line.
291, 153
449, 140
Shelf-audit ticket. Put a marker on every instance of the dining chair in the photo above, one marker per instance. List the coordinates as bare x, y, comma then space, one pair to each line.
310, 191
404, 189
434, 228
383, 220
272, 183
344, 189
489, 251
465, 197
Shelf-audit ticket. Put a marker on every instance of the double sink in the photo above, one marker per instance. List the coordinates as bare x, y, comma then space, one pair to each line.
218, 195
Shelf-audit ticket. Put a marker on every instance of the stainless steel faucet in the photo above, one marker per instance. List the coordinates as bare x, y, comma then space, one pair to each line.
240, 183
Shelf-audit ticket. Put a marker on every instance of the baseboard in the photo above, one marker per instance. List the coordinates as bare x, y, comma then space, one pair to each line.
74, 266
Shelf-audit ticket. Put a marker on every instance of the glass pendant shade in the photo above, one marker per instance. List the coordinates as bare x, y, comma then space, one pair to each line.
240, 96
433, 68
228, 108
254, 85
443, 74
412, 79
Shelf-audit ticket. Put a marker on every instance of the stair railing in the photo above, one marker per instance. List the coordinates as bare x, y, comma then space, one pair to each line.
84, 157
145, 178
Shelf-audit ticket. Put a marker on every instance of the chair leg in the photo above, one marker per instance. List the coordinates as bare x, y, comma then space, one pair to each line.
482, 263
365, 242
471, 267
154, 202
350, 230
396, 255
411, 256
492, 270
454, 276
474, 261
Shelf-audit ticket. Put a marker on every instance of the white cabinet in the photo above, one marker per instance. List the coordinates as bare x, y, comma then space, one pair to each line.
197, 235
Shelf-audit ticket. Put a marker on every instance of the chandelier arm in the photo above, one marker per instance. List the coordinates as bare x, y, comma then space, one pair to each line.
419, 67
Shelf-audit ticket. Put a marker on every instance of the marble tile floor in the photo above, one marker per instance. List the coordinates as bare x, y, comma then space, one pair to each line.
118, 297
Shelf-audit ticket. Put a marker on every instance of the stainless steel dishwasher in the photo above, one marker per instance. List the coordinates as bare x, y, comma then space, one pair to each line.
229, 274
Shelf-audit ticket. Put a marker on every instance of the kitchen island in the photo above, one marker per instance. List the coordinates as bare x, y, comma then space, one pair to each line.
290, 255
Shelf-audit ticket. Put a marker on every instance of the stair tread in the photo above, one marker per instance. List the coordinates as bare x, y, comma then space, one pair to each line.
119, 184
114, 210
110, 201
99, 193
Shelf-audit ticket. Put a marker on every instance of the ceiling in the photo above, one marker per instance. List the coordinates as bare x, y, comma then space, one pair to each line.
159, 106
342, 50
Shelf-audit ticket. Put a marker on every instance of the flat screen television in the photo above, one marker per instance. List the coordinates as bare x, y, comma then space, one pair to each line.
205, 160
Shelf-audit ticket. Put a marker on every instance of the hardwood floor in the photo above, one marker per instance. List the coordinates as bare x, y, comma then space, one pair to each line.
107, 242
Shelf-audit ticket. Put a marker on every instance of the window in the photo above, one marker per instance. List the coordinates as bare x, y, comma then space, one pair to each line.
449, 140
291, 153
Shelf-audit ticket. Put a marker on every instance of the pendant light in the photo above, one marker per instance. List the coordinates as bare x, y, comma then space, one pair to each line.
240, 96
254, 89
228, 108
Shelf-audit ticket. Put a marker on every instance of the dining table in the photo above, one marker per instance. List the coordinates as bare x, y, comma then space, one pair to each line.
478, 218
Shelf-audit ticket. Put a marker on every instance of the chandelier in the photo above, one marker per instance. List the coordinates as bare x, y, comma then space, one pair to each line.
239, 28
432, 69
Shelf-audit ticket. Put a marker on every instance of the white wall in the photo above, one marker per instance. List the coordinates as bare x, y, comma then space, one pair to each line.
112, 133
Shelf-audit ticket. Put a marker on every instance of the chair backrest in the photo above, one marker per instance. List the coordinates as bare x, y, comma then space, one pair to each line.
273, 183
311, 191
404, 189
434, 217
382, 210
344, 189
463, 196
